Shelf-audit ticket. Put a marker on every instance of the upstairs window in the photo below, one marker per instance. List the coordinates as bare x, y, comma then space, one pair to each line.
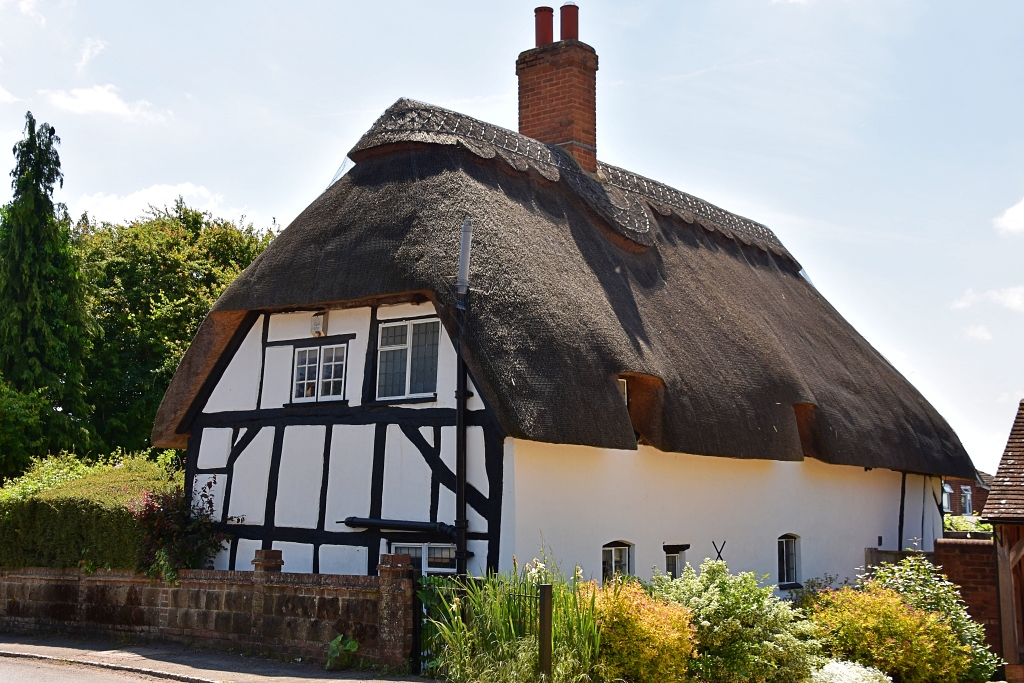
966, 501
787, 561
407, 359
323, 363
947, 497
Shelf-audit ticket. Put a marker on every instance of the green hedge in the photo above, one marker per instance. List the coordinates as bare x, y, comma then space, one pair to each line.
65, 513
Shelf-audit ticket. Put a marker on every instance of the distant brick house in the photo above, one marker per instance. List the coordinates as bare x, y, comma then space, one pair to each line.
965, 496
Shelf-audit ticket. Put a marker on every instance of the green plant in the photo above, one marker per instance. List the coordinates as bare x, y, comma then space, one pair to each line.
485, 629
874, 626
840, 671
644, 639
341, 653
744, 634
923, 587
959, 523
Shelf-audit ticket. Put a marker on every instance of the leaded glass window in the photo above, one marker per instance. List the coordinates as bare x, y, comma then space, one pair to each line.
407, 359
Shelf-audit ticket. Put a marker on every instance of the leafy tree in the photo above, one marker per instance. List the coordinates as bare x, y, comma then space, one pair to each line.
153, 281
44, 330
21, 428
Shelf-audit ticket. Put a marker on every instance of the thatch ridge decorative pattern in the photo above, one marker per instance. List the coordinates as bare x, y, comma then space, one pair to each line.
411, 121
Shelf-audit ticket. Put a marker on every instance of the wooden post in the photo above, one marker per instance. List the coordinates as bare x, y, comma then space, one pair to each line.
1007, 558
544, 634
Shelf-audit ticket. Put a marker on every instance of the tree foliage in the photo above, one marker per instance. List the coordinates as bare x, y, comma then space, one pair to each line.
21, 428
152, 282
44, 330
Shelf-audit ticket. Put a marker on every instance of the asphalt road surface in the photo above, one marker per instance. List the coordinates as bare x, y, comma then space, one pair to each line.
35, 671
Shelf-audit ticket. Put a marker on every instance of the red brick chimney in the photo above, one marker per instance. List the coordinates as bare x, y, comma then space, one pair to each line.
558, 88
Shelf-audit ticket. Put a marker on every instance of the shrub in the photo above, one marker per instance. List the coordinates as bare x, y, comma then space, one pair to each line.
175, 533
66, 513
643, 639
958, 523
743, 632
923, 587
876, 627
839, 671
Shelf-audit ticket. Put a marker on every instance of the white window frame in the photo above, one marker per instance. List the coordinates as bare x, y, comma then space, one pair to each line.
408, 355
344, 373
789, 579
966, 501
614, 548
947, 497
317, 396
398, 547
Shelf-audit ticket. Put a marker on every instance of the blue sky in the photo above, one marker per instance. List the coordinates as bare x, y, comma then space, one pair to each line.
883, 141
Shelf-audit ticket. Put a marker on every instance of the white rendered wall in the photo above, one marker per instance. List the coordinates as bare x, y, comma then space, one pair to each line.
578, 498
298, 484
215, 447
352, 321
342, 559
277, 376
406, 478
249, 481
350, 476
246, 553
239, 385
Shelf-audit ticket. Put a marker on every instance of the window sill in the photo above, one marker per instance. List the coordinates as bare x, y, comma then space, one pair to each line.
314, 404
400, 400
790, 586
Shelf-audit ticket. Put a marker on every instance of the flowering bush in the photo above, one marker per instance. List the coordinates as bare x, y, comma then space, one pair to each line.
876, 627
924, 588
839, 671
744, 634
175, 533
643, 638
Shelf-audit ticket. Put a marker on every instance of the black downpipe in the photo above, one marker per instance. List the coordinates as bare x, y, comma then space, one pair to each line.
461, 395
903, 500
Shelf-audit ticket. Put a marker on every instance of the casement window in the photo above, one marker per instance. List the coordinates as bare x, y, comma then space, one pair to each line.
672, 566
429, 558
947, 497
966, 501
319, 373
788, 560
675, 558
407, 359
616, 560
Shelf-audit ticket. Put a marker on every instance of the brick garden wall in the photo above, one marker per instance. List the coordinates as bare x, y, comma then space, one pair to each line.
295, 615
971, 564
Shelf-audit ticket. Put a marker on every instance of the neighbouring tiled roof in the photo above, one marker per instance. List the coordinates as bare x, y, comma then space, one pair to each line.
1006, 499
986, 478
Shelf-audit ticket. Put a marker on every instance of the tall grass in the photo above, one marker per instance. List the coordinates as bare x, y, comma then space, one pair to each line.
485, 629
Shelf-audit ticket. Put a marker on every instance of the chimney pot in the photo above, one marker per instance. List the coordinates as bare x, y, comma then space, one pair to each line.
569, 21
545, 18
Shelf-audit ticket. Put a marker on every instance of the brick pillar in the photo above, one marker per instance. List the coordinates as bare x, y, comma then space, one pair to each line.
394, 613
558, 98
971, 564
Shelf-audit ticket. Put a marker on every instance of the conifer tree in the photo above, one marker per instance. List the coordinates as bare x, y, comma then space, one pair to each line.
43, 326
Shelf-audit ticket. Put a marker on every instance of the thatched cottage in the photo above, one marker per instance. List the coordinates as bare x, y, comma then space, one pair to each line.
652, 379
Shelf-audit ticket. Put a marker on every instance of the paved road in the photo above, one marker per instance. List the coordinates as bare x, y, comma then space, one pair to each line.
34, 671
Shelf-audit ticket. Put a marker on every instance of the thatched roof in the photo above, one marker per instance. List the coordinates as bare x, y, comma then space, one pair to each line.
1006, 494
578, 280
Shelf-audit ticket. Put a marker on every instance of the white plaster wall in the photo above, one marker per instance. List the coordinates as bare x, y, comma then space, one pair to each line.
477, 565
216, 491
277, 376
396, 311
285, 326
246, 553
507, 535
343, 559
350, 475
239, 385
249, 485
298, 557
578, 498
352, 321
922, 523
223, 558
406, 478
298, 485
476, 474
214, 447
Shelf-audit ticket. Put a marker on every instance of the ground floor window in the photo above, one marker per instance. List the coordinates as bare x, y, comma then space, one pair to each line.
675, 559
966, 500
430, 558
947, 498
787, 559
616, 559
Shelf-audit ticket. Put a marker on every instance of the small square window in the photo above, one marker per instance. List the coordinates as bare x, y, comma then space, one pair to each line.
428, 557
306, 366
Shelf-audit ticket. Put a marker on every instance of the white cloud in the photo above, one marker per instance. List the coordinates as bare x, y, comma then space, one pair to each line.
1010, 297
978, 332
6, 97
93, 46
101, 99
28, 8
1012, 220
114, 209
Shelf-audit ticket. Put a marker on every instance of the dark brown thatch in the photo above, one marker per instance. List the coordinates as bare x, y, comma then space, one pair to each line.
577, 281
1006, 494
